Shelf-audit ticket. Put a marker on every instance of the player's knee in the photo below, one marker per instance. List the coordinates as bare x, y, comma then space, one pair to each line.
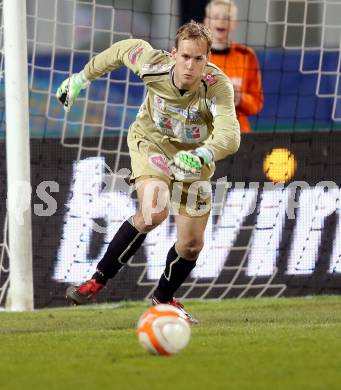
157, 218
191, 249
153, 198
146, 222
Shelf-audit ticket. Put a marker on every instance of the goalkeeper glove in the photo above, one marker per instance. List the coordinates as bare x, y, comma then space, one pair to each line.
186, 165
70, 88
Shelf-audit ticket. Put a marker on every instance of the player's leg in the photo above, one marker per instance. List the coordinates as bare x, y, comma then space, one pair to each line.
153, 200
181, 258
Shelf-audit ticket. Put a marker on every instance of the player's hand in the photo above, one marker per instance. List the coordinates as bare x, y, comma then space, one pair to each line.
70, 88
186, 166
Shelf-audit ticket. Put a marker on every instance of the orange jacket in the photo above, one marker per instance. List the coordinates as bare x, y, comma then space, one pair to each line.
240, 64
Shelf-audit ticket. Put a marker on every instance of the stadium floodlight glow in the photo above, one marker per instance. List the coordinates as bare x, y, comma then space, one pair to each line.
280, 165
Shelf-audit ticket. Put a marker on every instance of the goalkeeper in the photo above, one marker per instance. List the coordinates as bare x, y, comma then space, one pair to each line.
186, 123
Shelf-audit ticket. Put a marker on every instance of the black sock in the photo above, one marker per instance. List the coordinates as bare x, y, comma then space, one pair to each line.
176, 271
125, 243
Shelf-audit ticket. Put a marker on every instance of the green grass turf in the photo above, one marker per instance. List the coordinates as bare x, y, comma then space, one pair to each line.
239, 344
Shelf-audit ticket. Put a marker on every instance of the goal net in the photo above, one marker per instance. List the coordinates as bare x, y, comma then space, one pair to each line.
262, 239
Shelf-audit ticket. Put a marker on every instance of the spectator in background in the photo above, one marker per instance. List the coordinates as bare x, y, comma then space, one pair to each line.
239, 62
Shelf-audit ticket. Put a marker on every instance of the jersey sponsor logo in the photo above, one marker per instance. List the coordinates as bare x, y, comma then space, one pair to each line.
192, 133
173, 127
196, 133
155, 67
133, 55
163, 123
159, 162
192, 114
210, 79
176, 110
159, 103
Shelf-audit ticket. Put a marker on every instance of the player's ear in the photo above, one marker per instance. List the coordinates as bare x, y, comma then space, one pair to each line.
174, 51
206, 21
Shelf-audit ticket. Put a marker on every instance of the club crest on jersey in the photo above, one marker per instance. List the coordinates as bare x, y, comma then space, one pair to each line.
210, 80
135, 54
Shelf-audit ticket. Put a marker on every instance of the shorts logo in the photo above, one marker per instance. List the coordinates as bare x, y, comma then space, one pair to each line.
211, 80
159, 162
134, 54
201, 204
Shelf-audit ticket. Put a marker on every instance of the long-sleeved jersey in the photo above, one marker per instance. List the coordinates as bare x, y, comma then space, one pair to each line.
240, 64
205, 117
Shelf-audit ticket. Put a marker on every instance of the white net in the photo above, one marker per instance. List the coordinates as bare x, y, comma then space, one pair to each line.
314, 28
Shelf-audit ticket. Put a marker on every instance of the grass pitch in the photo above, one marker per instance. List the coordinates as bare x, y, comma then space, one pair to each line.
287, 344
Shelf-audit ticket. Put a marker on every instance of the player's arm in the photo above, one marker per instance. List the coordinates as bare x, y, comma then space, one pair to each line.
129, 52
225, 137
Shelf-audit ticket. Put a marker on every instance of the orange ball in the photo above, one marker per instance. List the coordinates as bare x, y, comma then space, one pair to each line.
163, 330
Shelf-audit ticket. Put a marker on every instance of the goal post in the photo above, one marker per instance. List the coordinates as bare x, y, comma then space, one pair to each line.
20, 295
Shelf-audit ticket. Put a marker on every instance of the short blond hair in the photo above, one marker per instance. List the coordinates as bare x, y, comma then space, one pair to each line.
194, 30
229, 3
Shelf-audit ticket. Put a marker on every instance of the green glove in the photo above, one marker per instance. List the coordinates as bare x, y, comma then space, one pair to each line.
70, 88
186, 165
188, 162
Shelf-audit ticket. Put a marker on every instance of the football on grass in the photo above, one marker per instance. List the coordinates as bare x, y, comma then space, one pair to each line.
163, 330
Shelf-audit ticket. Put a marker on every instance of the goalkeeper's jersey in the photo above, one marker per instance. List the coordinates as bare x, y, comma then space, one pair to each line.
205, 117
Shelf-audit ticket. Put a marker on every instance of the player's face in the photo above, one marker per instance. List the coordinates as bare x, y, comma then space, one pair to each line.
190, 61
220, 22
